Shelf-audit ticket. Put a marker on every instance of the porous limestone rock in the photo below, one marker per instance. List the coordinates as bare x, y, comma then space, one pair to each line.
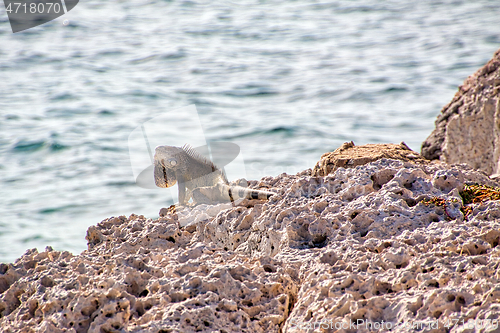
349, 156
468, 128
360, 245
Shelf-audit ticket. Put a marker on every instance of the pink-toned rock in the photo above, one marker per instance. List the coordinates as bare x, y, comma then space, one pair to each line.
350, 156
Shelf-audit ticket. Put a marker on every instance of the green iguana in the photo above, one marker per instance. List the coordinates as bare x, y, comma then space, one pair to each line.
197, 177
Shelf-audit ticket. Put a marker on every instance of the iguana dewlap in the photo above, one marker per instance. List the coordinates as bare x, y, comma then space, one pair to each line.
197, 177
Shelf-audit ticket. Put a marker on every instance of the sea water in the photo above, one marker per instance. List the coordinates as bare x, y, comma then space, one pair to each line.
284, 80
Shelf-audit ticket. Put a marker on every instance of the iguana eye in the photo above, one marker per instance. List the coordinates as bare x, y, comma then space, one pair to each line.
172, 162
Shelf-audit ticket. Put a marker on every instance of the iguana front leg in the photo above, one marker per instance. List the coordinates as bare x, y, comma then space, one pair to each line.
182, 193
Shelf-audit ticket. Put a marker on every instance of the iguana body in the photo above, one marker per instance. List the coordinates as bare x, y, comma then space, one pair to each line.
197, 177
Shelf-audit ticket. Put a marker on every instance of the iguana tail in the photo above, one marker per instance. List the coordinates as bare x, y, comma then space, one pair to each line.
225, 193
239, 192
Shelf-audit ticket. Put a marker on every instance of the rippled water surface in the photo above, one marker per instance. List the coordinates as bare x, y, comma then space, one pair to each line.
286, 81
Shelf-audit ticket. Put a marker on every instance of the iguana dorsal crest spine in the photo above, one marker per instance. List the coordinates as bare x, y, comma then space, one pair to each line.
191, 152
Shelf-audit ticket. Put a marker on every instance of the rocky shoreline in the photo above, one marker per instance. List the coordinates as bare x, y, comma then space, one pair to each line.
360, 244
372, 236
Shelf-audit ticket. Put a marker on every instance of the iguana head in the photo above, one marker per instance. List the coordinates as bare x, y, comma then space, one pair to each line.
166, 161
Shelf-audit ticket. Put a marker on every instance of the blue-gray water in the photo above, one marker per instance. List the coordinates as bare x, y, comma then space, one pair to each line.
285, 80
